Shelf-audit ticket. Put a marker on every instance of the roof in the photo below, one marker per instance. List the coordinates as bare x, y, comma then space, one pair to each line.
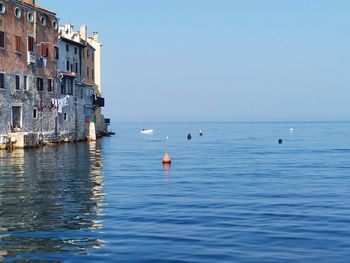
44, 9
40, 8
72, 41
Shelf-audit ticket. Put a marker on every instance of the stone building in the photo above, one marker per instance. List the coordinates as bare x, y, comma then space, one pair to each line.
48, 91
92, 58
28, 72
72, 82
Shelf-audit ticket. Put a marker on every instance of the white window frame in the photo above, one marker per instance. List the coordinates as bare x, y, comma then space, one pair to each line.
30, 17
21, 113
55, 24
35, 110
52, 85
2, 8
19, 82
42, 81
43, 20
18, 12
25, 83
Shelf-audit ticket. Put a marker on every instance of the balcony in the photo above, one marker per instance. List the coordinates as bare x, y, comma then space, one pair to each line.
98, 101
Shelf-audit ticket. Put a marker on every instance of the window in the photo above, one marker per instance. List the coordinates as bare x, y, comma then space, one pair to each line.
2, 80
18, 44
30, 17
76, 67
67, 65
35, 113
88, 53
67, 47
2, 8
2, 39
43, 20
93, 74
30, 43
25, 82
63, 86
93, 56
44, 50
16, 117
50, 85
39, 84
18, 12
75, 50
18, 84
56, 53
55, 25
70, 86
88, 72
67, 86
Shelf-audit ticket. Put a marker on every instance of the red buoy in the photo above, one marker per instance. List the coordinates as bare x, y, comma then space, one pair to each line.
166, 158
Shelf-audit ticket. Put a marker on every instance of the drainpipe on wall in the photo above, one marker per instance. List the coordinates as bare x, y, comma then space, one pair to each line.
35, 25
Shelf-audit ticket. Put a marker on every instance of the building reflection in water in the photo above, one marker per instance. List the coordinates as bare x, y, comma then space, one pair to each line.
51, 200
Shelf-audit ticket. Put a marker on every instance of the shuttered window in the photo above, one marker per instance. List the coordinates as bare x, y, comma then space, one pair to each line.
18, 84
39, 84
30, 44
2, 80
2, 39
44, 50
18, 44
25, 82
56, 53
50, 85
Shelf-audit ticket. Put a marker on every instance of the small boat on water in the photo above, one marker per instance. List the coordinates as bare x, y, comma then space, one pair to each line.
149, 131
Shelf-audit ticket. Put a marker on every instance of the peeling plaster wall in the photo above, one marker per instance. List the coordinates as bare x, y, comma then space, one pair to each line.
39, 120
14, 62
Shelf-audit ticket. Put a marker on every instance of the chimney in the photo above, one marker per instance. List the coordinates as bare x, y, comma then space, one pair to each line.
30, 2
95, 36
83, 32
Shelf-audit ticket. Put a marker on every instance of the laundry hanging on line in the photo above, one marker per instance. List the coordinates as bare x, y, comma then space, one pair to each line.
59, 104
42, 62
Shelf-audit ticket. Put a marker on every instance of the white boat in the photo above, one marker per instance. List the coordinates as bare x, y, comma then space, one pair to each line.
149, 131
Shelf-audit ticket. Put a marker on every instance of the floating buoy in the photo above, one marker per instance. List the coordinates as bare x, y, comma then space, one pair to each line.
166, 158
280, 141
291, 129
200, 133
189, 137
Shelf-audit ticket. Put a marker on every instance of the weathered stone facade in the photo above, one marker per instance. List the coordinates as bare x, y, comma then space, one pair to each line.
37, 73
92, 65
28, 68
71, 66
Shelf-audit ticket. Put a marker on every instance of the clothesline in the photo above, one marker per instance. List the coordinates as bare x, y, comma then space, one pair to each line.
59, 104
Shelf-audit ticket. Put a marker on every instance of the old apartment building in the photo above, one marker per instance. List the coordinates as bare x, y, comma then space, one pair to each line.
44, 96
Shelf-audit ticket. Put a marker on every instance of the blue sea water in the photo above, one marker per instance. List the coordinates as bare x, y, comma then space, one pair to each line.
231, 195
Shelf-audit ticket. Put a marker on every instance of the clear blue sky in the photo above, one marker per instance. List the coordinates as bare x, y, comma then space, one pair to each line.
220, 59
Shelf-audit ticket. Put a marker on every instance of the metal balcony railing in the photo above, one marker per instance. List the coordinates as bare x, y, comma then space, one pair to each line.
98, 101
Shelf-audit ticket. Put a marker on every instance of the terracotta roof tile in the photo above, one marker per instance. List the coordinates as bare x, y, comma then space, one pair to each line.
40, 7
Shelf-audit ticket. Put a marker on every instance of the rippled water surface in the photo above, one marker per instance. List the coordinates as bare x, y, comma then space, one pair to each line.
232, 195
